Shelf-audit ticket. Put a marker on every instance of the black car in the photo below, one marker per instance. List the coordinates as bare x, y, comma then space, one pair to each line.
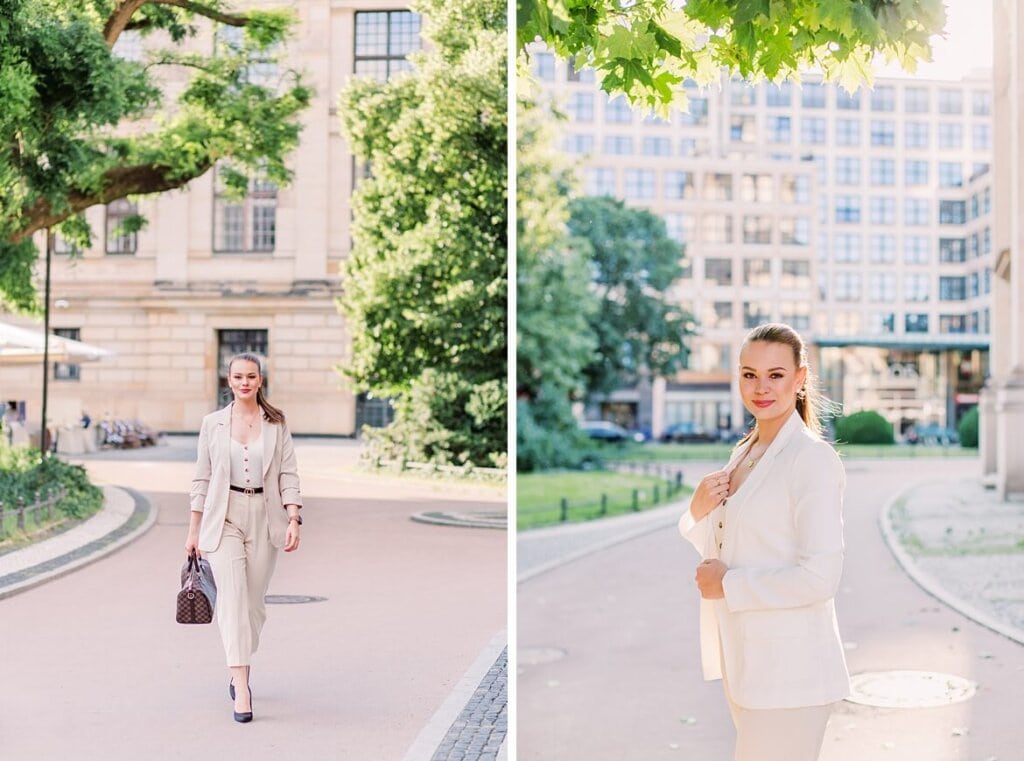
687, 431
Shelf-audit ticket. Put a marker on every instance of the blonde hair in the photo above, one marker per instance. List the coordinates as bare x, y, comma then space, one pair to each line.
810, 402
270, 412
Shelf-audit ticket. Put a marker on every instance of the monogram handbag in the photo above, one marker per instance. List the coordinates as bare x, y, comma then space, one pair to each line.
198, 595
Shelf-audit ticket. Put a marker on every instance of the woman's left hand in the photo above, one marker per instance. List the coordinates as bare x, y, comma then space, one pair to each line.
291, 538
709, 579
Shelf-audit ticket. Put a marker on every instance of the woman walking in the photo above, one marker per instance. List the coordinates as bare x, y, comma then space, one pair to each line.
245, 507
770, 531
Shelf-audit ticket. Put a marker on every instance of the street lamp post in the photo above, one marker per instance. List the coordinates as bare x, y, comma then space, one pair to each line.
43, 437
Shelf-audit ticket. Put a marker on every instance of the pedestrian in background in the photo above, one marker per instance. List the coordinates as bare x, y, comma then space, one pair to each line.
769, 529
245, 505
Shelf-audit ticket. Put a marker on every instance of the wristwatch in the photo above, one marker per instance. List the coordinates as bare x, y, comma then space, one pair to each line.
296, 517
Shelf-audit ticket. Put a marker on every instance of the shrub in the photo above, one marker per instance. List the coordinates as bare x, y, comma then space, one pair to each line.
867, 427
968, 429
22, 476
548, 436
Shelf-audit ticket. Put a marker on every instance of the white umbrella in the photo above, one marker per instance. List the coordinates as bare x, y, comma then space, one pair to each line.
25, 346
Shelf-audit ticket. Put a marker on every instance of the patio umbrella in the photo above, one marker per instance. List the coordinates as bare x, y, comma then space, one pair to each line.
19, 346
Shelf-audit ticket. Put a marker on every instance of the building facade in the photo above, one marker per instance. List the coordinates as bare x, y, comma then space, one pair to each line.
863, 220
209, 277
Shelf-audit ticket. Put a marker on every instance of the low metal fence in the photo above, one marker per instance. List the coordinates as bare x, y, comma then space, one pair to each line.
613, 502
20, 517
464, 471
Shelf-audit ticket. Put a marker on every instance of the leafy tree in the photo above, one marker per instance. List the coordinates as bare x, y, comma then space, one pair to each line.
426, 285
646, 49
81, 126
554, 302
633, 264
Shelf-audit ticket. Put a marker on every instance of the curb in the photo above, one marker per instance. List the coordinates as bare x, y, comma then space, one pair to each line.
435, 518
433, 734
138, 523
668, 516
929, 583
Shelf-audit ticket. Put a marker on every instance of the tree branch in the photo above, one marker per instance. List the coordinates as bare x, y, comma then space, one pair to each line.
120, 19
119, 182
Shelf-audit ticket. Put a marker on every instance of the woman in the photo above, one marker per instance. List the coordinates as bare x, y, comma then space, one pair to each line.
245, 507
769, 528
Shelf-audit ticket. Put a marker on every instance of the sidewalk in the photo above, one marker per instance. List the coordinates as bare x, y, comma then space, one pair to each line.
964, 547
400, 609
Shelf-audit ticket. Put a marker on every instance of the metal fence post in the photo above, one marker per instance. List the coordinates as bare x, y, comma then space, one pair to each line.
1, 519
604, 505
636, 500
21, 514
565, 509
657, 494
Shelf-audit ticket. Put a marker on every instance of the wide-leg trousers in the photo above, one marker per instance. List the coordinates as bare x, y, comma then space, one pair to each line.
242, 566
778, 734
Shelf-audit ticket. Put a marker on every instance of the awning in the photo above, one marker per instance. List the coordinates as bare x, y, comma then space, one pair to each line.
20, 346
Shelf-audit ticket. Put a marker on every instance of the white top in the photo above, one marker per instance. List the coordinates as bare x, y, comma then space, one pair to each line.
247, 462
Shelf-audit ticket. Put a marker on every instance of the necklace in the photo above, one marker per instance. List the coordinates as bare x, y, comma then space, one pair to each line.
752, 462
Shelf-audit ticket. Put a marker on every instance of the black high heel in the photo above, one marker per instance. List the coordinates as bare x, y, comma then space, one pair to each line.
231, 685
245, 716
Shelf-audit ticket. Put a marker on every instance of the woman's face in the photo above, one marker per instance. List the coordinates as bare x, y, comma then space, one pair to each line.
244, 379
769, 379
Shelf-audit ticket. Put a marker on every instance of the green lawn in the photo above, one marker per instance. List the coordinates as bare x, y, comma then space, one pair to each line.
539, 495
652, 452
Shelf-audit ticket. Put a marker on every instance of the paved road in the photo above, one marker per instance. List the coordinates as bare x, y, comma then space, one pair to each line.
92, 665
609, 665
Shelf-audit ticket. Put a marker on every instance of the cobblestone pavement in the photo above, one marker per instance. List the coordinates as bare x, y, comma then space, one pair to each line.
479, 731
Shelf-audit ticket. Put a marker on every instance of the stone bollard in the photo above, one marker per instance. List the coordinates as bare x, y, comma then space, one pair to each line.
21, 514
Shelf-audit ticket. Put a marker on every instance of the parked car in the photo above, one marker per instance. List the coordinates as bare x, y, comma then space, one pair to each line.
687, 431
605, 430
932, 435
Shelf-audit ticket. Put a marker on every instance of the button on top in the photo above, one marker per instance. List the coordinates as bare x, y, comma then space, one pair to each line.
719, 524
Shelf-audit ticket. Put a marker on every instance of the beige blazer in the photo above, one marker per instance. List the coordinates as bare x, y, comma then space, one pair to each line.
776, 628
209, 494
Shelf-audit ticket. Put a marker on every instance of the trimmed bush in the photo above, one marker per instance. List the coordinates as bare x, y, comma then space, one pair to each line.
968, 429
22, 476
867, 427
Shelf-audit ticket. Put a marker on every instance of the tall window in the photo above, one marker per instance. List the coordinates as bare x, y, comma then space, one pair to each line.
639, 183
981, 137
679, 226
230, 343
65, 370
599, 181
952, 250
756, 313
246, 225
544, 66
915, 134
915, 172
916, 323
757, 229
915, 100
118, 241
812, 95
847, 170
847, 208
757, 273
679, 185
796, 275
882, 249
882, 210
794, 231
384, 39
617, 111
717, 187
847, 132
696, 113
795, 188
846, 101
916, 288
915, 211
741, 128
951, 135
718, 271
883, 98
952, 288
579, 144
756, 187
716, 228
778, 95
812, 130
779, 129
617, 145
656, 146
847, 247
883, 132
951, 174
952, 212
916, 249
581, 107
882, 287
883, 172
951, 101
981, 103
846, 286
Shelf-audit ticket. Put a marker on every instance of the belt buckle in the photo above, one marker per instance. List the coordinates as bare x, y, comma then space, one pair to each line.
247, 491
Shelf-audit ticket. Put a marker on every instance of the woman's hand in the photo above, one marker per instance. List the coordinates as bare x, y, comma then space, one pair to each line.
709, 579
291, 538
710, 492
192, 543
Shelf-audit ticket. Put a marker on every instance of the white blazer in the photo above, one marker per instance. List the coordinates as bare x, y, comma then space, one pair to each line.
209, 494
783, 544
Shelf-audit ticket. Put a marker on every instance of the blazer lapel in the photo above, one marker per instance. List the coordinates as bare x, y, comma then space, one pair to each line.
269, 435
224, 437
734, 507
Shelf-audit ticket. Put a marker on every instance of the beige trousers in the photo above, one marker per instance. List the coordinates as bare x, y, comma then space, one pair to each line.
242, 566
778, 734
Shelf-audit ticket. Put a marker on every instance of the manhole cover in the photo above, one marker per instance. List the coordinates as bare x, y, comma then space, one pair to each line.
291, 599
909, 689
537, 656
